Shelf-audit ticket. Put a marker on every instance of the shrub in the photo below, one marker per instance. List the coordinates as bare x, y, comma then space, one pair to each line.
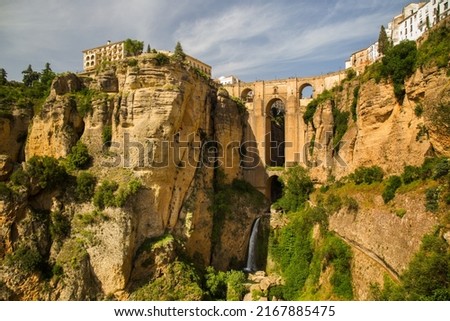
367, 175
235, 285
79, 157
20, 178
161, 59
46, 171
340, 124
350, 73
83, 99
410, 174
180, 282
85, 186
442, 168
393, 183
312, 106
435, 168
418, 110
333, 203
132, 62
5, 192
104, 194
351, 204
25, 258
355, 103
432, 199
124, 194
59, 226
216, 283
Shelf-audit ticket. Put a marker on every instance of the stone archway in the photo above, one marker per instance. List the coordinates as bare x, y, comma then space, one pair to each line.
247, 95
306, 91
275, 146
274, 188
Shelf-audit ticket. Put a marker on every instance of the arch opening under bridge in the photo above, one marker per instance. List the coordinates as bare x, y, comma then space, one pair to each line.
275, 124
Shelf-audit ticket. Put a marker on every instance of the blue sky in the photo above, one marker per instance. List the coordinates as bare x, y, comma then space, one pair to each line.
249, 39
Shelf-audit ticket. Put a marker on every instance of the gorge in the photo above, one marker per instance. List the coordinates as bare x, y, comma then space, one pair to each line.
146, 180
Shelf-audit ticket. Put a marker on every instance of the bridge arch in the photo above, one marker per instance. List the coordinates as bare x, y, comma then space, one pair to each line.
306, 91
247, 95
274, 188
275, 132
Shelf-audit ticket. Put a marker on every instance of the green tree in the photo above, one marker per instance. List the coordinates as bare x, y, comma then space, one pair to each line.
235, 285
216, 283
179, 53
297, 187
3, 74
133, 47
30, 76
383, 42
47, 75
45, 171
399, 63
149, 50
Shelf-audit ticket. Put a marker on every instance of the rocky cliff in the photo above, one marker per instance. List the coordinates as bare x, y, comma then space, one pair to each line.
384, 132
160, 127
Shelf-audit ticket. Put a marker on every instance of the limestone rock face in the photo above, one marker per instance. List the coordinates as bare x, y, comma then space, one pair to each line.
228, 131
13, 133
6, 167
382, 242
430, 90
386, 133
58, 126
68, 83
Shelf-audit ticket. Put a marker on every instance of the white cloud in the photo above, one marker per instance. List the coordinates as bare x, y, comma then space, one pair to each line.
248, 38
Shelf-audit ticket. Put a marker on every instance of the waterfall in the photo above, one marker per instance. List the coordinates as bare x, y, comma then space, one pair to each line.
251, 258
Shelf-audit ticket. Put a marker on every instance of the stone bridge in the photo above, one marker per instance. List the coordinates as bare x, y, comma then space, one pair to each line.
276, 133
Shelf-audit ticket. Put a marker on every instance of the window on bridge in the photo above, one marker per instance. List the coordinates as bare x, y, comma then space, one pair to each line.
306, 91
276, 115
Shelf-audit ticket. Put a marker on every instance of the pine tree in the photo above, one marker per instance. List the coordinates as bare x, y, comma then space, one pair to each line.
30, 76
149, 50
47, 75
3, 74
179, 53
383, 42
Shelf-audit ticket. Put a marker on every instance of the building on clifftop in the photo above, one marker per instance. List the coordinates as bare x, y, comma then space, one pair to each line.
109, 52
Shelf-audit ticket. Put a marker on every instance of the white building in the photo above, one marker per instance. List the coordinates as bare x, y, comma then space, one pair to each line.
109, 52
411, 24
230, 80
417, 18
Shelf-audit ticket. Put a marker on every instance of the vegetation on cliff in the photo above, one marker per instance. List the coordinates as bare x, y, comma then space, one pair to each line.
315, 263
29, 94
426, 277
